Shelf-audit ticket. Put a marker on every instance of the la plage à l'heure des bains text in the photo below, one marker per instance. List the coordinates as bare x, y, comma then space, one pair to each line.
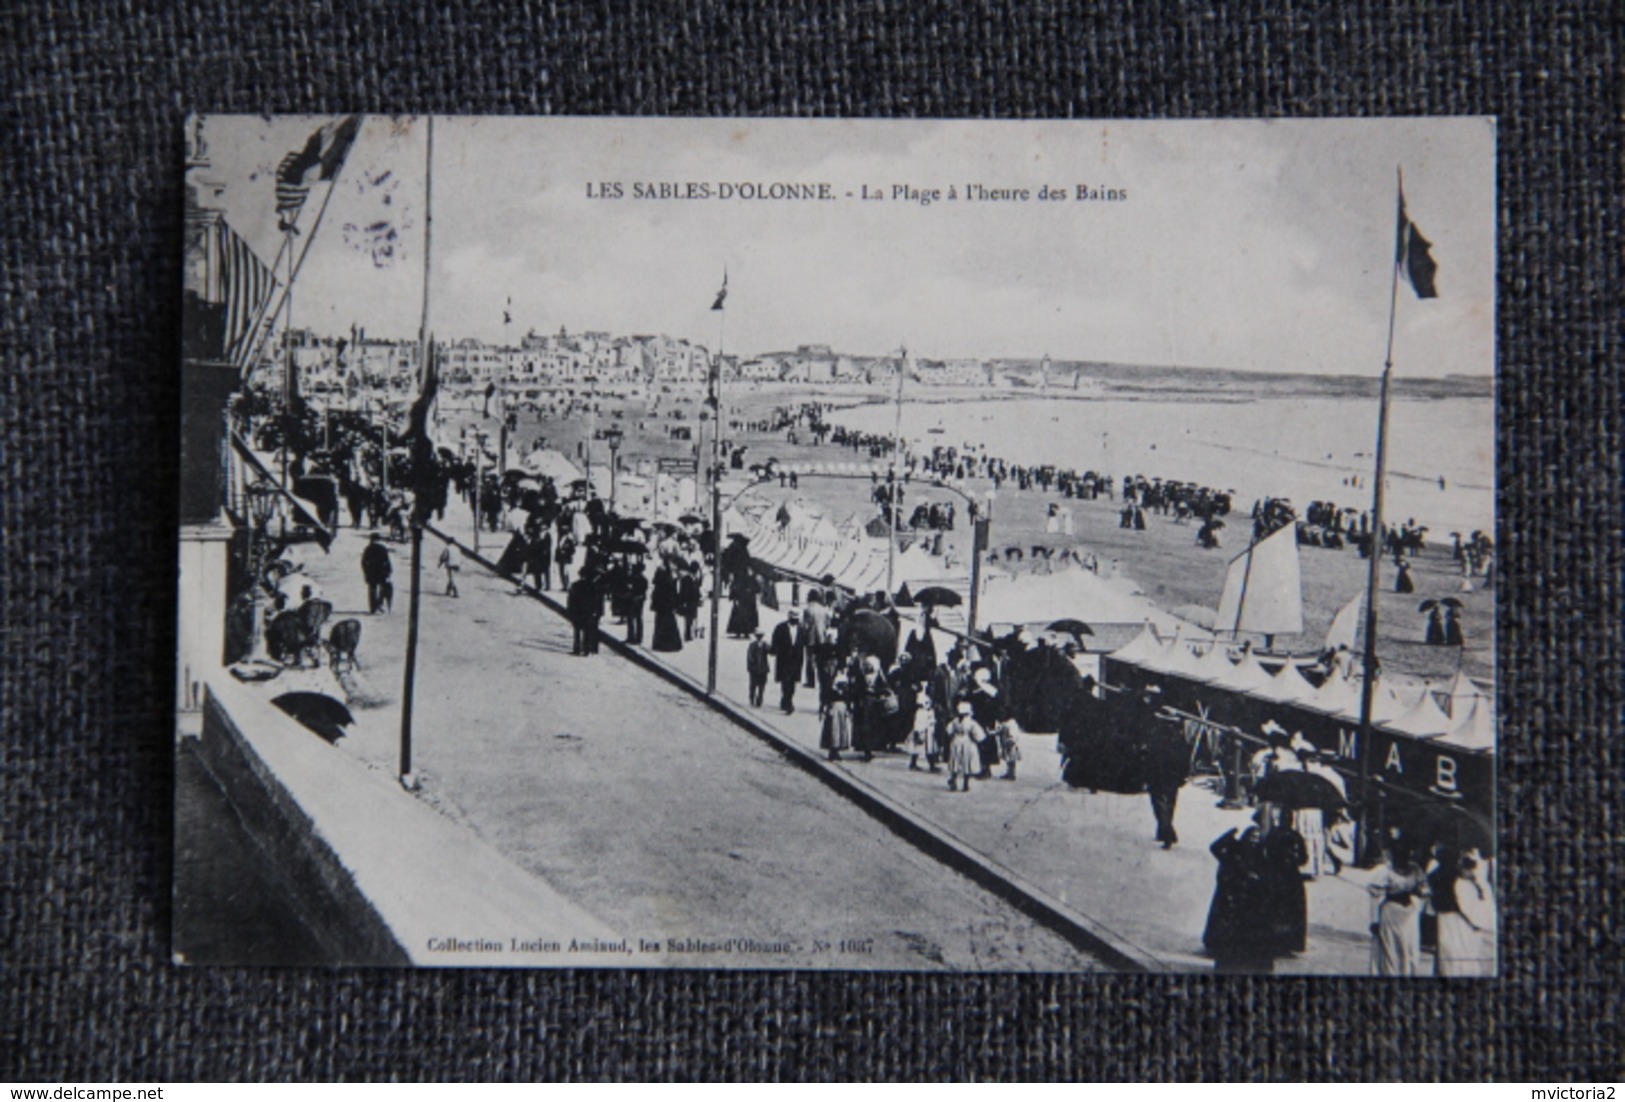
826, 192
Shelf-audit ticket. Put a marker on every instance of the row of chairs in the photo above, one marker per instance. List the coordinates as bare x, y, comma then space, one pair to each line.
295, 637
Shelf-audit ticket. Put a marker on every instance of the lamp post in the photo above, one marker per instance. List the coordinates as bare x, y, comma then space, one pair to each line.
479, 482
981, 519
613, 437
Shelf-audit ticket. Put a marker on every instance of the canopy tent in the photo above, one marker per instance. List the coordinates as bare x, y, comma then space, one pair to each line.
1460, 695
1289, 687
1336, 697
1247, 676
1142, 649
1424, 720
1215, 665
1031, 598
1476, 731
547, 463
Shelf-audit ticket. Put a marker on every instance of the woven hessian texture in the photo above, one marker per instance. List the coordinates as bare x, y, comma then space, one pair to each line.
95, 97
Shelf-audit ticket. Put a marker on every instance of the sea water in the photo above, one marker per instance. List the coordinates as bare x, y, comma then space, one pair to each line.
1441, 453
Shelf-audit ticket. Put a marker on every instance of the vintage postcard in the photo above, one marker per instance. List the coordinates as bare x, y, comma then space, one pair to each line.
969, 546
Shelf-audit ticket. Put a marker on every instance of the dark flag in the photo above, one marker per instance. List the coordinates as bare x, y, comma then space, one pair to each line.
428, 488
1414, 254
722, 294
320, 159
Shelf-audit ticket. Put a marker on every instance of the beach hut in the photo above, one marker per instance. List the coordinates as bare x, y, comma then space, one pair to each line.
1215, 665
1336, 697
1141, 649
1476, 730
1289, 687
1460, 694
1425, 719
1247, 676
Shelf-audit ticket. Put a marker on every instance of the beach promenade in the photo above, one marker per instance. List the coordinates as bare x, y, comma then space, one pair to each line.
1092, 852
638, 802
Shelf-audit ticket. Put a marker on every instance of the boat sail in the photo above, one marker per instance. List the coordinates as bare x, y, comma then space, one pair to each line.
1263, 590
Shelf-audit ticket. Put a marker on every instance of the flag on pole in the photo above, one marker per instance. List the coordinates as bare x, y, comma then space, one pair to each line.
319, 159
722, 294
428, 488
246, 283
1413, 253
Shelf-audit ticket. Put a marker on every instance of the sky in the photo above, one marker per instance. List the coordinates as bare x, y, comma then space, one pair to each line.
1250, 245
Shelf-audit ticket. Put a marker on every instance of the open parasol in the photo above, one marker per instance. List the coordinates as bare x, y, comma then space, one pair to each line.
938, 596
1294, 788
1075, 628
318, 712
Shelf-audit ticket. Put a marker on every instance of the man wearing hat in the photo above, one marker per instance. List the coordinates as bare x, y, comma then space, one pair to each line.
375, 571
789, 648
756, 668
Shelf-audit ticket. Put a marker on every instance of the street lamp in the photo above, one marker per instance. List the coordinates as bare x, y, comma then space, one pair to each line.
613, 437
479, 482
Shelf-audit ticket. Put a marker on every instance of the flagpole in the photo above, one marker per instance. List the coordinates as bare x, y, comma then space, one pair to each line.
896, 452
419, 509
257, 338
716, 499
1374, 566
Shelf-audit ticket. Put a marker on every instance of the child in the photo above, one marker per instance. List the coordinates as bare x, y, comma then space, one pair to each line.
451, 562
756, 666
836, 733
1008, 748
963, 758
922, 739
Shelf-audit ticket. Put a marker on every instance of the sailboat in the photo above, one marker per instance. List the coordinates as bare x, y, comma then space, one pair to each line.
1263, 589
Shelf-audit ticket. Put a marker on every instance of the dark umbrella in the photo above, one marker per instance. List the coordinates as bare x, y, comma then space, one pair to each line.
938, 596
318, 712
737, 538
690, 518
1437, 823
630, 547
1076, 628
1294, 788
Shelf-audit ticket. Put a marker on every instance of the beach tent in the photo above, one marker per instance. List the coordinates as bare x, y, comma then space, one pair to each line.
1215, 665
1424, 720
1289, 687
1142, 649
1247, 676
1461, 693
1476, 731
1031, 598
547, 463
1336, 697
1182, 661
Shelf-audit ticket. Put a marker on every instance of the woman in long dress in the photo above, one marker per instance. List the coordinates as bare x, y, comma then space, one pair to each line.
835, 734
1466, 907
743, 618
1397, 894
663, 601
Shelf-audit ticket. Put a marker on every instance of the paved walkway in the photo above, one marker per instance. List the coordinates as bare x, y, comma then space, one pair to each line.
1092, 851
639, 802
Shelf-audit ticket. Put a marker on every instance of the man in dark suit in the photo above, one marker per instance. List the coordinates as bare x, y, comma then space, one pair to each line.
375, 570
789, 649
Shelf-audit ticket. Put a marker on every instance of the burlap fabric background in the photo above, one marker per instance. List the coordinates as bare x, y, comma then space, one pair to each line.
95, 95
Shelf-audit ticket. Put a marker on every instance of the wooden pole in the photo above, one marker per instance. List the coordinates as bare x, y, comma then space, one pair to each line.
1373, 577
418, 507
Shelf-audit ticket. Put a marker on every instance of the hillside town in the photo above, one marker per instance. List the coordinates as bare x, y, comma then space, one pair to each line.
592, 357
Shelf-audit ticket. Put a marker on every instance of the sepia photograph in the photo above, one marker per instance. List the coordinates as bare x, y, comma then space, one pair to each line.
929, 546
